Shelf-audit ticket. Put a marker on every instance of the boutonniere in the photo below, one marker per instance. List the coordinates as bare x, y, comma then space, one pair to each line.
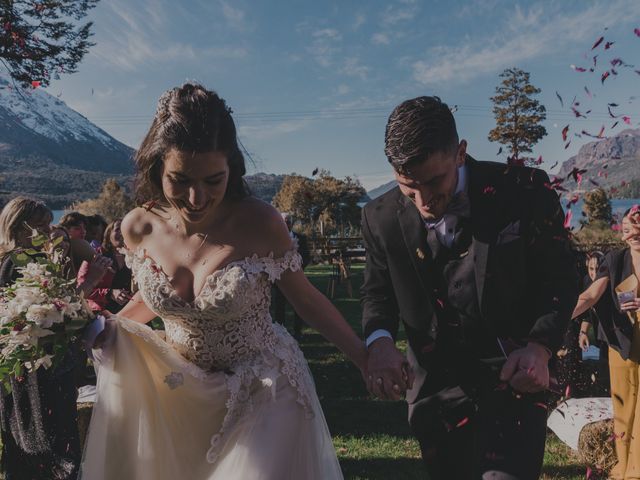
420, 253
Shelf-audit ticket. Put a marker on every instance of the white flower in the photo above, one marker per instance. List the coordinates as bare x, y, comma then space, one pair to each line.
44, 315
24, 298
34, 271
174, 380
45, 361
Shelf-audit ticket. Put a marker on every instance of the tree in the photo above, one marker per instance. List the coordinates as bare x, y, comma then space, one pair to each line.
518, 116
325, 204
39, 39
597, 207
112, 203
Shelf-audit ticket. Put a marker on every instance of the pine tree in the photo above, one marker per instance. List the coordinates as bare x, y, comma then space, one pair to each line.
40, 39
518, 116
597, 207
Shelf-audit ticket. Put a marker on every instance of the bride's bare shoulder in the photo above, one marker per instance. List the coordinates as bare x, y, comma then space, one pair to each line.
138, 224
261, 221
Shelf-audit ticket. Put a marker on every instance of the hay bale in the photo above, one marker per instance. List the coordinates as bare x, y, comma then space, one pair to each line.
84, 417
596, 447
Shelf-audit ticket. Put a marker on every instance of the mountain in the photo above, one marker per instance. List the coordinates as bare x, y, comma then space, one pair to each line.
50, 151
609, 163
376, 192
264, 185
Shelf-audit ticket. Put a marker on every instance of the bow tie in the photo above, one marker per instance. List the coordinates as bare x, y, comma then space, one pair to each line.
459, 207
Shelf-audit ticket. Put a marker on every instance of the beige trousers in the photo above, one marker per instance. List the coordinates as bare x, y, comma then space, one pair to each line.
626, 409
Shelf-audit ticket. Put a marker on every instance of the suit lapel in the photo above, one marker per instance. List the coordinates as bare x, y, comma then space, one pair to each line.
415, 238
484, 218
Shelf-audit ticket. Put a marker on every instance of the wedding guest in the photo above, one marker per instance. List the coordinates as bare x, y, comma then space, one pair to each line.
95, 230
38, 418
615, 291
116, 287
473, 259
75, 224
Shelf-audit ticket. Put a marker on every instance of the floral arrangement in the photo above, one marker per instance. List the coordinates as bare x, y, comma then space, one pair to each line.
41, 313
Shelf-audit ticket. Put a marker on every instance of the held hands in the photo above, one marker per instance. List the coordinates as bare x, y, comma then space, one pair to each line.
389, 375
527, 369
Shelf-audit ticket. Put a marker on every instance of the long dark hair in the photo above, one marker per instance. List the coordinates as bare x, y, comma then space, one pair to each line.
193, 119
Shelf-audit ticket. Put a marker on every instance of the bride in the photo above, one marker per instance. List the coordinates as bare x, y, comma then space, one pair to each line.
227, 394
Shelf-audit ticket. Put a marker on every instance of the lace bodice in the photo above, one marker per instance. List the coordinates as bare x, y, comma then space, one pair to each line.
227, 328
228, 322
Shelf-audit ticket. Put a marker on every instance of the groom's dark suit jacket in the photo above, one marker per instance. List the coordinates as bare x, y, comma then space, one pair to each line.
524, 271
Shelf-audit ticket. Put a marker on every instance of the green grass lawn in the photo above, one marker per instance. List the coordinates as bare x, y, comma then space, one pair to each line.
371, 436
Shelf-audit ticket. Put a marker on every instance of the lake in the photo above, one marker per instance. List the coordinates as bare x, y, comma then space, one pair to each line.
618, 207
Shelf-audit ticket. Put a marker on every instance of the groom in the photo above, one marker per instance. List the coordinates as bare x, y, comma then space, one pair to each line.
472, 258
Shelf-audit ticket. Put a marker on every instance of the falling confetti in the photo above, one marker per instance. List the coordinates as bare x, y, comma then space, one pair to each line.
598, 42
565, 130
626, 120
605, 75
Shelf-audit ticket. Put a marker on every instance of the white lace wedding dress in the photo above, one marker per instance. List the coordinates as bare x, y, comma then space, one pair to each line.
227, 396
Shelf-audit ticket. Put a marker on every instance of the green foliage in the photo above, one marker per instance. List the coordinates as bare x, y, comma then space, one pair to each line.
595, 234
112, 203
39, 39
324, 204
597, 206
629, 190
518, 115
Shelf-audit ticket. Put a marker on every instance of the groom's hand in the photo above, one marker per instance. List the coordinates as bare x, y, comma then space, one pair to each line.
527, 369
388, 372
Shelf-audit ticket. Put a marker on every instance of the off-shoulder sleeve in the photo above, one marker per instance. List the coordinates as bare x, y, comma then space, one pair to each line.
275, 267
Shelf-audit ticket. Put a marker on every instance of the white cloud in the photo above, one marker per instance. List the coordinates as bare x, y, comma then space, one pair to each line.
133, 38
527, 35
330, 33
380, 39
325, 45
394, 14
353, 68
359, 21
343, 89
234, 16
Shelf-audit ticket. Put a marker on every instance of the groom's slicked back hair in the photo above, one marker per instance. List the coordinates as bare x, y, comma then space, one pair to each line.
417, 128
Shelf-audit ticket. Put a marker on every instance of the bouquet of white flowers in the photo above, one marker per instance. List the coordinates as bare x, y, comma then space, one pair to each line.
40, 313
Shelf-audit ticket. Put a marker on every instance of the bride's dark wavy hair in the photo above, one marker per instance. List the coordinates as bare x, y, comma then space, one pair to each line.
192, 119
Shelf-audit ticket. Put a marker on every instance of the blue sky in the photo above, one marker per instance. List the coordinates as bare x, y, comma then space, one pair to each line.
311, 83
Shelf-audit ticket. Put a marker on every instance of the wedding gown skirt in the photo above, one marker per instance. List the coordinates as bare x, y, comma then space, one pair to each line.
227, 396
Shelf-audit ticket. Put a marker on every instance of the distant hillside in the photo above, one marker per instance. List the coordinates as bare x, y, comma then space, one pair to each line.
609, 162
264, 185
52, 152
376, 192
